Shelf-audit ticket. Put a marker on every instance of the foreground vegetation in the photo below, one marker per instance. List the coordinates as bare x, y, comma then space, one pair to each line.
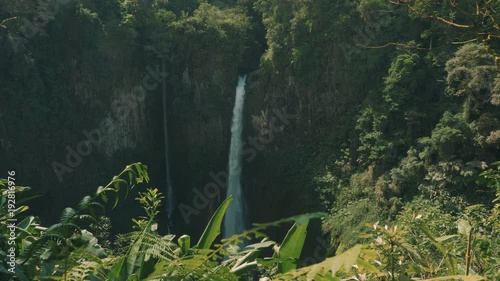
79, 247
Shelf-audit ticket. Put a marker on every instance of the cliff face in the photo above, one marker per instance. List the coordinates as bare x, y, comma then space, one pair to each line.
199, 129
68, 128
82, 98
308, 74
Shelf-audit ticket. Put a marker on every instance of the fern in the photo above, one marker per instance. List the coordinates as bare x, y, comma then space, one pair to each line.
81, 265
83, 271
144, 247
64, 229
34, 251
60, 240
151, 243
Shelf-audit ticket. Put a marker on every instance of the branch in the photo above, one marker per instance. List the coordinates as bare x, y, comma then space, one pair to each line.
391, 44
464, 42
410, 7
451, 23
2, 24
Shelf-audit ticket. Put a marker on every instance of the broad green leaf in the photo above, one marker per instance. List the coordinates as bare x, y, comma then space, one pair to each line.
214, 225
446, 237
185, 243
369, 254
327, 268
135, 258
249, 260
367, 266
298, 218
26, 222
24, 200
133, 277
411, 250
464, 227
292, 246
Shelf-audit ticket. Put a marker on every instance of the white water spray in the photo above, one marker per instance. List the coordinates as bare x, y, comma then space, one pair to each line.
234, 221
170, 192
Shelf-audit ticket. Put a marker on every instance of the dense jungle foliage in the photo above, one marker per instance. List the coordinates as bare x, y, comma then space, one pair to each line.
78, 247
394, 138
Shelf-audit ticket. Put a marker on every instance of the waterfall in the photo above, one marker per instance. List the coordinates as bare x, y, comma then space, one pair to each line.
170, 207
234, 222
